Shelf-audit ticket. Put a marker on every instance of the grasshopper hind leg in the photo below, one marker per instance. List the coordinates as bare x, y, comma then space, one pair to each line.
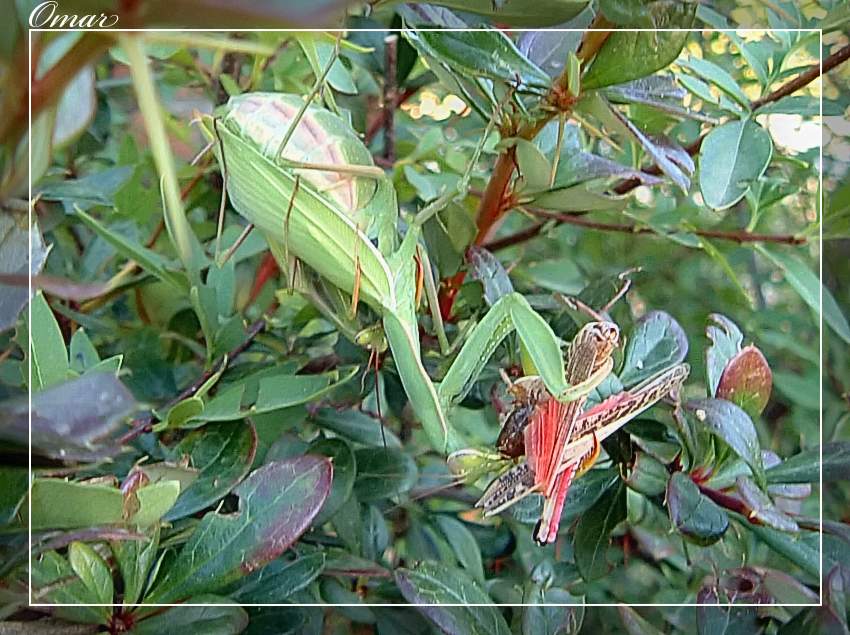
507, 489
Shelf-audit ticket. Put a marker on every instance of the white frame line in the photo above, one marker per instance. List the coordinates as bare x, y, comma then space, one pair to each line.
30, 32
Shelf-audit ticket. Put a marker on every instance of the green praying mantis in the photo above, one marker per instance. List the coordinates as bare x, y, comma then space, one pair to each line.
301, 176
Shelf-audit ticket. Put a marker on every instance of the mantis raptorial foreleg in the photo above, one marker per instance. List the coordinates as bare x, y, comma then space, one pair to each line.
328, 219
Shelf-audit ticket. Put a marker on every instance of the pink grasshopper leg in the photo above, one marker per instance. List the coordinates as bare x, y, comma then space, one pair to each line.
581, 451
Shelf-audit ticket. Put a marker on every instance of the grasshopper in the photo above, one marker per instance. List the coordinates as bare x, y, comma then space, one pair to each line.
536, 417
301, 176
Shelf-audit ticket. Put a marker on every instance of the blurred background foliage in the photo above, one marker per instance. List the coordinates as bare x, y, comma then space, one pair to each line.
115, 340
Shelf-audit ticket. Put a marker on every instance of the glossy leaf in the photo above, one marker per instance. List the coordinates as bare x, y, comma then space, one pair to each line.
732, 425
793, 547
693, 514
548, 49
222, 454
356, 426
432, 585
60, 504
92, 570
383, 473
718, 76
593, 533
731, 157
806, 466
135, 558
488, 53
746, 381
50, 568
518, 13
277, 504
648, 475
487, 269
726, 341
667, 155
274, 391
762, 508
345, 471
213, 617
657, 342
464, 545
71, 421
47, 351
628, 55
278, 580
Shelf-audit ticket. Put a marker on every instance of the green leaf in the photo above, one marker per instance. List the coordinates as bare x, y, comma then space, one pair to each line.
82, 353
693, 514
92, 570
18, 257
464, 545
746, 381
635, 623
147, 259
806, 283
55, 582
432, 586
806, 466
135, 559
648, 475
762, 508
548, 610
345, 469
488, 53
98, 188
222, 454
723, 620
355, 426
731, 157
71, 421
154, 501
181, 412
486, 268
207, 619
60, 504
543, 13
805, 105
383, 473
726, 340
718, 76
275, 390
656, 343
47, 346
318, 52
732, 425
577, 198
793, 547
534, 168
593, 533
277, 503
279, 580
376, 535
628, 55
13, 491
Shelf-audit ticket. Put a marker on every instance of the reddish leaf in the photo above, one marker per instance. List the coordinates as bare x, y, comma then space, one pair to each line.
277, 503
746, 381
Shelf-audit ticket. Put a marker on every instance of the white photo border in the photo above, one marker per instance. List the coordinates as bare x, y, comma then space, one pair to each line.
819, 211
